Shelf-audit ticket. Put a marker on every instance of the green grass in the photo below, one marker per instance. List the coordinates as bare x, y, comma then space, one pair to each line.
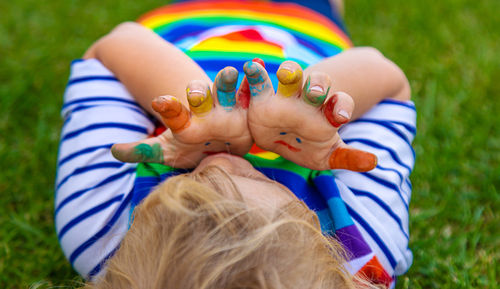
448, 50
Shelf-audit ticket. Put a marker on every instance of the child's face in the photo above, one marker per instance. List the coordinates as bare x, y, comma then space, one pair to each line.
254, 186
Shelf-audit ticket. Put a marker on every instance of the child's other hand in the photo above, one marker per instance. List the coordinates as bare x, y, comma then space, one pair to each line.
215, 122
301, 123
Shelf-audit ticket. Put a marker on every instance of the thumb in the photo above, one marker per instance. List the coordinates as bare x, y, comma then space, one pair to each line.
146, 151
349, 158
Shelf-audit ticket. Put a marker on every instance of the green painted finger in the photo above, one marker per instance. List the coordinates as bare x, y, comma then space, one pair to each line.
316, 88
138, 152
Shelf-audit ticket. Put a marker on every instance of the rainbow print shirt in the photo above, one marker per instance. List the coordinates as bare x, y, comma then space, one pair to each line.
220, 33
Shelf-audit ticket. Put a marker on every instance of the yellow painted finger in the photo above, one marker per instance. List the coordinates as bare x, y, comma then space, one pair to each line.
199, 97
290, 79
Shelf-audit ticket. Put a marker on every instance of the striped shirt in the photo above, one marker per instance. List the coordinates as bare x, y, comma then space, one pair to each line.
367, 212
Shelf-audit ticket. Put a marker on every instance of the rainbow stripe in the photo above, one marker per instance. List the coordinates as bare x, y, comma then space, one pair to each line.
220, 33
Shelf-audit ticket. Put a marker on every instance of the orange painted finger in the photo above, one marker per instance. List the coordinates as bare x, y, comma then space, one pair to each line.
174, 115
348, 158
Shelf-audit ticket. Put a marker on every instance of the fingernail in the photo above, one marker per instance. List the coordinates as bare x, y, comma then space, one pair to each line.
196, 91
343, 114
316, 88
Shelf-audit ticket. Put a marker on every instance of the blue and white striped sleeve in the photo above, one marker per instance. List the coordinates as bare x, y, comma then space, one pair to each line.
93, 190
378, 200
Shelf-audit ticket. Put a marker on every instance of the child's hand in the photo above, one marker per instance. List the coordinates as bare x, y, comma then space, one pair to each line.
214, 123
301, 123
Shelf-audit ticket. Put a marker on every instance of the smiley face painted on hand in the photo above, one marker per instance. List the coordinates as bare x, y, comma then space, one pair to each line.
217, 145
289, 146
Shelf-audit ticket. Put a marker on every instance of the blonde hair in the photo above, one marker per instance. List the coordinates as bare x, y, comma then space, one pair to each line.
187, 234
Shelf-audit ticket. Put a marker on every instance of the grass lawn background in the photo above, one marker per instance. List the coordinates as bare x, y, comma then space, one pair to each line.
448, 49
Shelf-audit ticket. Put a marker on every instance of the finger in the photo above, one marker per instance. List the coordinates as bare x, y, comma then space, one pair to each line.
148, 150
316, 88
258, 80
243, 95
199, 97
349, 158
290, 79
225, 85
174, 115
338, 108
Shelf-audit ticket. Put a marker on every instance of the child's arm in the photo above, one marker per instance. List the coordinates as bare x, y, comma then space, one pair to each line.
301, 120
146, 64
165, 81
366, 75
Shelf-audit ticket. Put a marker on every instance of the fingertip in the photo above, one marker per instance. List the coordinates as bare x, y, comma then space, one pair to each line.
339, 108
259, 61
199, 97
352, 159
166, 105
174, 114
258, 80
254, 71
225, 84
115, 152
316, 88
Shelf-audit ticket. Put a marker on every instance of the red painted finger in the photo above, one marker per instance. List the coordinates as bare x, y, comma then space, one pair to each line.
338, 108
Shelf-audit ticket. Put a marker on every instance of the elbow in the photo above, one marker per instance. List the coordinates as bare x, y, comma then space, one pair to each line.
120, 35
398, 86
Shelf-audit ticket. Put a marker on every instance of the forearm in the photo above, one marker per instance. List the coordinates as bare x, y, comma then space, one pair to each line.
366, 75
146, 64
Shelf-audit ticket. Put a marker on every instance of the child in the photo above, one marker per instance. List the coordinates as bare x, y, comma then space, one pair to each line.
185, 232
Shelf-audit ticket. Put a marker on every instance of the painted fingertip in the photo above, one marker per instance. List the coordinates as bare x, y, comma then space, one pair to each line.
343, 113
317, 89
199, 98
315, 94
258, 80
254, 72
138, 152
289, 79
289, 72
166, 105
352, 159
116, 151
259, 61
225, 83
328, 111
174, 115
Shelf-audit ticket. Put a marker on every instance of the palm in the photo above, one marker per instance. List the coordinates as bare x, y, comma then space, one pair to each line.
299, 123
214, 123
292, 129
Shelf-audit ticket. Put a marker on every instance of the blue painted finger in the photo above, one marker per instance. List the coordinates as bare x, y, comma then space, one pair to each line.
225, 84
258, 80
